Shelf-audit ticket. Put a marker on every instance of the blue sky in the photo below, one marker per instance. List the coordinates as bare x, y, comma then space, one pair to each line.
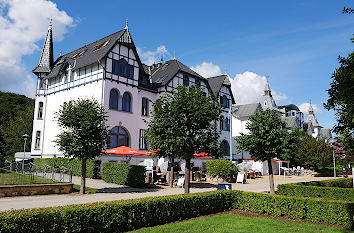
296, 43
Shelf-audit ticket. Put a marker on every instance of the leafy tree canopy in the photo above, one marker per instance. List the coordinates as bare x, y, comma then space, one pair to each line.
84, 132
16, 119
341, 97
184, 123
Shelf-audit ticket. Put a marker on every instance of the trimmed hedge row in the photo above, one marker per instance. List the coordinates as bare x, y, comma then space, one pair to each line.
339, 183
121, 216
332, 193
125, 174
93, 166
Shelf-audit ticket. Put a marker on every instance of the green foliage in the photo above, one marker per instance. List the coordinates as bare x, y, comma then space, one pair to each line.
266, 136
93, 166
339, 183
124, 174
84, 132
122, 216
222, 168
16, 119
184, 123
332, 193
341, 98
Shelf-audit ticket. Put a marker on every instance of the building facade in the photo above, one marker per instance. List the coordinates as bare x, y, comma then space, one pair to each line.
110, 71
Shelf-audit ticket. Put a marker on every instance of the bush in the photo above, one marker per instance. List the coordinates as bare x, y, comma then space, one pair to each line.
93, 166
339, 183
125, 174
332, 193
222, 168
121, 216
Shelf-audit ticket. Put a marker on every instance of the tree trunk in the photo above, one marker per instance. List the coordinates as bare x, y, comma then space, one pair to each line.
83, 176
172, 170
271, 178
187, 176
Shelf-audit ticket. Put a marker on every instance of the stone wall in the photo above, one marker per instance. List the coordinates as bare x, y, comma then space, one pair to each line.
40, 189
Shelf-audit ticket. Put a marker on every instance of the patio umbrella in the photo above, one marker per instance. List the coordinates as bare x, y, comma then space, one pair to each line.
202, 155
124, 150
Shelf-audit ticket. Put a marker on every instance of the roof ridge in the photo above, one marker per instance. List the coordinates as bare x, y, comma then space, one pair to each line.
92, 42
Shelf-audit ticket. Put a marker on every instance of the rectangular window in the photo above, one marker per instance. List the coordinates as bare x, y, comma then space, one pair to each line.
40, 111
38, 140
142, 140
122, 68
145, 107
221, 124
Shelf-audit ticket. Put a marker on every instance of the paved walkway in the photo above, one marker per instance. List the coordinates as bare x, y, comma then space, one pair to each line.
119, 192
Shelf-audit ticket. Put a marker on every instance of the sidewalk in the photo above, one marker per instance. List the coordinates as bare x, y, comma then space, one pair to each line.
119, 192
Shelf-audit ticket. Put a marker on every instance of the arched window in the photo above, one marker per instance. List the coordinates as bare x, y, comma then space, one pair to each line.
119, 137
225, 148
113, 99
126, 102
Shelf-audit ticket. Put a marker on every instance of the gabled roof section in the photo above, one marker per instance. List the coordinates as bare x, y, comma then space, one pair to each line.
92, 52
162, 73
326, 133
216, 83
245, 110
46, 61
289, 107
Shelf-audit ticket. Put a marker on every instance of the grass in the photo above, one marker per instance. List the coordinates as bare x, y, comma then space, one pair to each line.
237, 223
13, 178
76, 188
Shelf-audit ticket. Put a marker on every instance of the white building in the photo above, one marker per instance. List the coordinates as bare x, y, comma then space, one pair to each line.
110, 71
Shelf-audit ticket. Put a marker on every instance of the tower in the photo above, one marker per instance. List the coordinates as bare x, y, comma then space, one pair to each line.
312, 118
267, 99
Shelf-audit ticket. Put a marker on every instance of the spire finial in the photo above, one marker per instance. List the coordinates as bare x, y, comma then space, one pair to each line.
126, 23
310, 108
50, 23
174, 55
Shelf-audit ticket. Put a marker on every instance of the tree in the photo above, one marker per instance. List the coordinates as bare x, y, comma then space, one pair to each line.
21, 124
341, 98
183, 123
84, 132
265, 139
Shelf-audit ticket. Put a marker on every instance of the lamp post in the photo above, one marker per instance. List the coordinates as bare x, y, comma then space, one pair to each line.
334, 164
25, 136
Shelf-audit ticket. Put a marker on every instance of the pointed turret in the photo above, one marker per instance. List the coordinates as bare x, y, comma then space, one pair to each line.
267, 99
46, 61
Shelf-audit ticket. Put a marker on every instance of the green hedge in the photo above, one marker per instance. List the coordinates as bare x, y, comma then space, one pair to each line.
121, 216
332, 193
93, 166
125, 174
339, 183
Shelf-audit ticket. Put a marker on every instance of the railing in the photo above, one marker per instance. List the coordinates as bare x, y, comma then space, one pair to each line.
18, 173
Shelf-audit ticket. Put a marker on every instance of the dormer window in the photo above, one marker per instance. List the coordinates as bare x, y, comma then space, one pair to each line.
122, 68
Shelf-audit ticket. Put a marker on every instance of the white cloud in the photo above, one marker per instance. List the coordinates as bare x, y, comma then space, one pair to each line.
248, 87
207, 69
151, 57
304, 108
22, 24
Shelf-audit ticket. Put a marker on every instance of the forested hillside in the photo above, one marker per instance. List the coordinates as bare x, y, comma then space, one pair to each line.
16, 118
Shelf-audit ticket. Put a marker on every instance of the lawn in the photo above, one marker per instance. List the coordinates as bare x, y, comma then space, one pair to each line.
232, 222
13, 178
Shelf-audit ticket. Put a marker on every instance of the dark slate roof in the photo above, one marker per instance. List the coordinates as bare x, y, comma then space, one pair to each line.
245, 110
162, 73
46, 61
326, 133
289, 121
216, 83
87, 54
289, 107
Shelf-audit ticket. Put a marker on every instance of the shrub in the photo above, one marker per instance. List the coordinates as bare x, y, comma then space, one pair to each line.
222, 168
125, 174
332, 193
93, 166
339, 183
121, 216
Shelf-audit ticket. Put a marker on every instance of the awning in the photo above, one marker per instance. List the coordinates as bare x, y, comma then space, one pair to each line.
124, 150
